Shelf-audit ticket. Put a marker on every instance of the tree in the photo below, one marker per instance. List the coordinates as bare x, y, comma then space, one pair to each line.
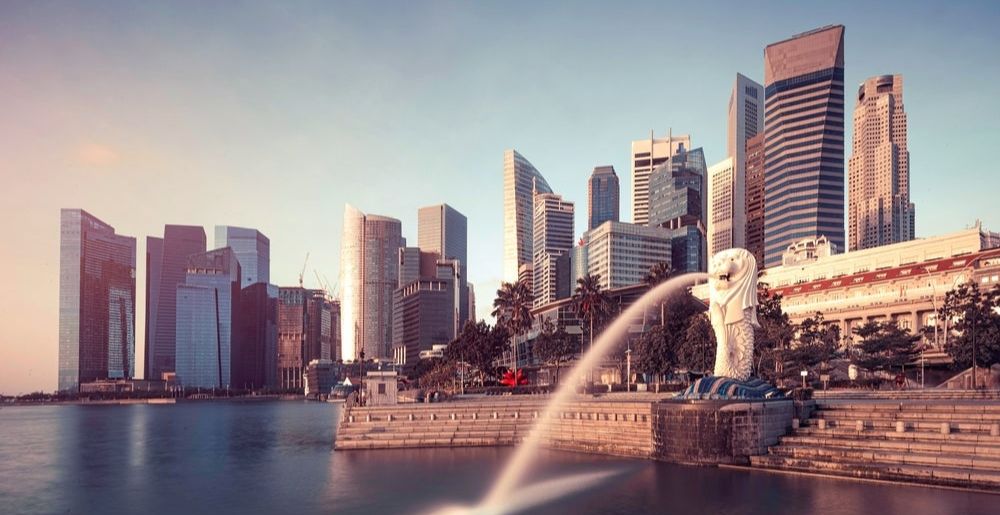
591, 301
480, 346
659, 273
554, 346
774, 335
656, 351
512, 310
697, 351
441, 376
974, 318
816, 343
884, 346
666, 346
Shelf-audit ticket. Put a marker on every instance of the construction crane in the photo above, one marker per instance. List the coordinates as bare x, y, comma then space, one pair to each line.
304, 263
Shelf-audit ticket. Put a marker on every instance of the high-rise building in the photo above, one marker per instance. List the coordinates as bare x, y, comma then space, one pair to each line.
578, 262
207, 315
253, 250
425, 312
553, 238
722, 232
804, 140
255, 348
602, 196
647, 154
166, 268
755, 197
96, 301
879, 209
472, 306
746, 120
322, 315
369, 274
520, 182
292, 328
443, 230
678, 202
622, 254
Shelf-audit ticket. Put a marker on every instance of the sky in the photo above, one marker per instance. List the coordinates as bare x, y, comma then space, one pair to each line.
273, 115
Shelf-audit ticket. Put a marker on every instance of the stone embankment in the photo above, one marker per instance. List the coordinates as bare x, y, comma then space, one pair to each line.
932, 441
926, 394
620, 428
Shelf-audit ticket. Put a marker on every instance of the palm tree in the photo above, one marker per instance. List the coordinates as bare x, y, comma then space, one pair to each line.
512, 310
591, 301
657, 274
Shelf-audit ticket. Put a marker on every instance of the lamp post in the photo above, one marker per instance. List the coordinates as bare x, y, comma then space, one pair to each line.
804, 373
628, 370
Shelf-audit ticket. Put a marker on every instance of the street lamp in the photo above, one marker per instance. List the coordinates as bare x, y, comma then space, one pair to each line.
803, 373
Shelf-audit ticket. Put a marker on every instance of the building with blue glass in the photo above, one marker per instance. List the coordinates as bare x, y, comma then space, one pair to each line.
602, 196
252, 249
678, 202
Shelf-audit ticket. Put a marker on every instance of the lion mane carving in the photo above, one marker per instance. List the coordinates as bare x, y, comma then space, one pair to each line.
732, 308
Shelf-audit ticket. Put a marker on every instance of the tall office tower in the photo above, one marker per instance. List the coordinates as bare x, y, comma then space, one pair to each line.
166, 268
553, 238
207, 315
292, 328
369, 252
804, 140
319, 333
414, 263
879, 209
520, 182
443, 230
746, 120
622, 254
602, 196
578, 262
425, 312
96, 301
255, 349
647, 154
252, 249
472, 306
755, 197
678, 202
722, 231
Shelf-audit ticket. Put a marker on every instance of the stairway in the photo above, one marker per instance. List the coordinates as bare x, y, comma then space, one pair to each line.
941, 442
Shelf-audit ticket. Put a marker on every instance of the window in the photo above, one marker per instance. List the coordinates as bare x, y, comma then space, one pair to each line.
381, 388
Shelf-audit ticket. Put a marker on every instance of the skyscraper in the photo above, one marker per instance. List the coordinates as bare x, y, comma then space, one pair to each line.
520, 182
292, 329
678, 202
553, 238
804, 140
755, 197
166, 268
207, 315
255, 348
746, 120
96, 301
879, 209
722, 230
443, 230
253, 250
622, 254
369, 274
425, 312
647, 154
602, 196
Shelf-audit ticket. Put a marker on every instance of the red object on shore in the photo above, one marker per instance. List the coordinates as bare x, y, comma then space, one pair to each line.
508, 378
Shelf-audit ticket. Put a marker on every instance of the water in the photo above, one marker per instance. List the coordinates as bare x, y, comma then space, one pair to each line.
527, 451
277, 457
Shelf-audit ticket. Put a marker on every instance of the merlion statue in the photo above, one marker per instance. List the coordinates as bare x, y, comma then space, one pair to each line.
732, 309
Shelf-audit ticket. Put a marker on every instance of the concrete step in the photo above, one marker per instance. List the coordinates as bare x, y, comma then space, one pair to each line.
952, 406
909, 435
989, 417
878, 443
911, 425
919, 473
883, 456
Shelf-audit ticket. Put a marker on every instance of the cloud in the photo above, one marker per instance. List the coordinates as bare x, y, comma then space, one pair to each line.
97, 155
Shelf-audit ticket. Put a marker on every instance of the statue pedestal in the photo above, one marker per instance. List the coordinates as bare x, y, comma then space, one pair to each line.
712, 432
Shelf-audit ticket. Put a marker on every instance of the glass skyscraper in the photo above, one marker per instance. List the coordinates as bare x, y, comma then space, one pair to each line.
521, 180
96, 301
207, 307
442, 229
253, 250
166, 268
369, 252
804, 141
602, 196
678, 202
553, 239
255, 348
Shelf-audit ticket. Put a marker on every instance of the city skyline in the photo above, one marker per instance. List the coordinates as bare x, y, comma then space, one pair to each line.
99, 151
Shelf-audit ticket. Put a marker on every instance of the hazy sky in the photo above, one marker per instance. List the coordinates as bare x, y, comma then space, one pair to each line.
274, 114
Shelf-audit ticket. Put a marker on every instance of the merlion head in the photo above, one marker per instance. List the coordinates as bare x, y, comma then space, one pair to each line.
733, 279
